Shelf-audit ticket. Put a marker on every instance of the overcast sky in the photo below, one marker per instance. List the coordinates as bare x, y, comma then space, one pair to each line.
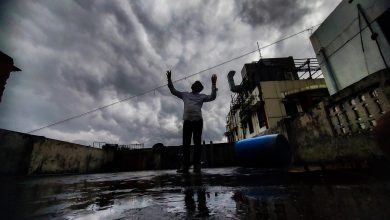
80, 55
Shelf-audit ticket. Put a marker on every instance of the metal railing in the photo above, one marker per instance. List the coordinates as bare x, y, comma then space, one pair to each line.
308, 68
102, 145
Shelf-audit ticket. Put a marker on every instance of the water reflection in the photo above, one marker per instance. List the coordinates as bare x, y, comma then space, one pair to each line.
105, 201
227, 193
194, 184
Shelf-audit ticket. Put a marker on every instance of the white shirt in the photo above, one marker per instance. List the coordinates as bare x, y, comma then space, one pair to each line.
193, 102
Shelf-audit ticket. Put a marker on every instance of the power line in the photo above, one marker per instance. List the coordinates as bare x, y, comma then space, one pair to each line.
154, 89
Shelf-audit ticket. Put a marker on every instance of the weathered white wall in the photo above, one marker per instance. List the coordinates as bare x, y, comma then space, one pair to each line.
53, 156
339, 37
22, 154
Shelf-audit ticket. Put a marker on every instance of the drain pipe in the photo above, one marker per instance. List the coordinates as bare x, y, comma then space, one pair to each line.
374, 35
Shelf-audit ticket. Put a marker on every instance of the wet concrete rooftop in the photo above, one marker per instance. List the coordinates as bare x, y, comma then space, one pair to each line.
223, 193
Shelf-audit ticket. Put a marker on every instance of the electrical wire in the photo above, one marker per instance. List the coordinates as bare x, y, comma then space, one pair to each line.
152, 90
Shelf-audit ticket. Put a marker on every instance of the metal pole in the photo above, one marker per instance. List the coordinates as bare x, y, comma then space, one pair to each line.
258, 47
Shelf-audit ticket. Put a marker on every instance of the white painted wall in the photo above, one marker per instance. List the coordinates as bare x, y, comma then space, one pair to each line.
340, 38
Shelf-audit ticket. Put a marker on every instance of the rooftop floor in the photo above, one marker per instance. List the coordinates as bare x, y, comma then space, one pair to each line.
223, 193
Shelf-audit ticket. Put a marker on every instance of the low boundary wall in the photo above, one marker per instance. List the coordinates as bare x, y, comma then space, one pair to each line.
24, 154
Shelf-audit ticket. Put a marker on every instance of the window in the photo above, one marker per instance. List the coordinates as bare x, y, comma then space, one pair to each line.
291, 108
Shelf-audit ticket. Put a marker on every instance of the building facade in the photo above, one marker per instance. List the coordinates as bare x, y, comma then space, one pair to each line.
271, 91
351, 126
352, 47
353, 42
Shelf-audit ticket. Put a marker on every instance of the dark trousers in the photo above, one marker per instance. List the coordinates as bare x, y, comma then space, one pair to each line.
192, 129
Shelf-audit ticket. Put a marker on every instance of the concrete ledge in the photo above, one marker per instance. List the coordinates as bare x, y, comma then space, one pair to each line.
15, 151
25, 154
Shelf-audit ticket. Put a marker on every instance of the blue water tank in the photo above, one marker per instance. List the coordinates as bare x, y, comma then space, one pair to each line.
263, 151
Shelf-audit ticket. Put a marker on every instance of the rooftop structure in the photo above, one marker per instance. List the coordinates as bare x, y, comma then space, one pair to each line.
352, 46
271, 90
353, 42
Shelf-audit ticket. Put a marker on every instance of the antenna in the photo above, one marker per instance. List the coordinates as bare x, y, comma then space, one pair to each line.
258, 47
169, 67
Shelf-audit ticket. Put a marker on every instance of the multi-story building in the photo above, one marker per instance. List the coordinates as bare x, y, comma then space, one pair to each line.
353, 42
353, 51
272, 90
353, 48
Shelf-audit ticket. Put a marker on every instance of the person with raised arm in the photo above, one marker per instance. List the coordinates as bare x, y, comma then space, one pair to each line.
192, 120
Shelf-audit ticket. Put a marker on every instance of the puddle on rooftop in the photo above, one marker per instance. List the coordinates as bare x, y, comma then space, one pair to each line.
229, 193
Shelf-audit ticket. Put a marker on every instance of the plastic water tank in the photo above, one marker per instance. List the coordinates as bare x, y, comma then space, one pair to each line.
263, 151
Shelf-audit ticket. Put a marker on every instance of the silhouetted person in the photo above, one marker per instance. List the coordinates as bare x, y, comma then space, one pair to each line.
193, 121
189, 192
6, 67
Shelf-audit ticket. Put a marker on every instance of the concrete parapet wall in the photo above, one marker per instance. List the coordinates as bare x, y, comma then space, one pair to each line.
52, 156
132, 160
341, 127
15, 151
349, 148
23, 154
213, 155
357, 112
315, 139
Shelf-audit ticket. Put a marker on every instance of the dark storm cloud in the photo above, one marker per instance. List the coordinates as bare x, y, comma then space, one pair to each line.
188, 24
79, 55
282, 13
98, 36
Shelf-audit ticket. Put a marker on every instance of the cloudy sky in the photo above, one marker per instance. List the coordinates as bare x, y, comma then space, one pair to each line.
80, 55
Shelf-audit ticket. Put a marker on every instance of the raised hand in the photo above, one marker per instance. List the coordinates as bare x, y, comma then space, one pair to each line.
214, 79
169, 75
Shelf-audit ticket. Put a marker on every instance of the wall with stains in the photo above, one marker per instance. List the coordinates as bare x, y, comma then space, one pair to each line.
341, 128
23, 154
314, 140
50, 156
